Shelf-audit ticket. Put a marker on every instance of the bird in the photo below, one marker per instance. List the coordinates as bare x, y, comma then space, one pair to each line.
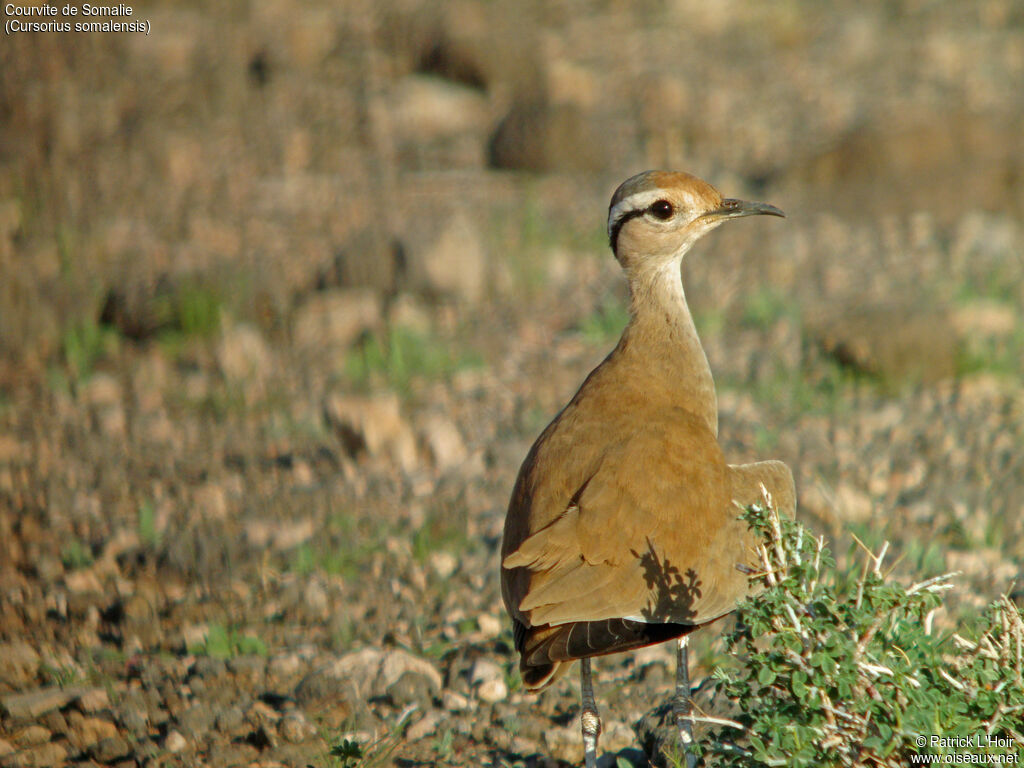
622, 528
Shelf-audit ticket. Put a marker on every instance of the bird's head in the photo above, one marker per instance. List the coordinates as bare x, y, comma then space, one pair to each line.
656, 216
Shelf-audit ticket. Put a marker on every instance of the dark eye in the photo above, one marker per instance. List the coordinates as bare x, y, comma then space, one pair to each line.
662, 209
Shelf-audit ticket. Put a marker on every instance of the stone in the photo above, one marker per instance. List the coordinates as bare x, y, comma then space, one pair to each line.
446, 256
425, 726
111, 749
537, 136
335, 319
94, 700
454, 702
426, 108
373, 425
175, 742
230, 720
280, 535
443, 441
490, 626
443, 563
19, 663
315, 598
367, 673
295, 728
42, 756
894, 341
492, 691
87, 731
196, 721
32, 736
409, 688
30, 705
286, 665
485, 671
243, 354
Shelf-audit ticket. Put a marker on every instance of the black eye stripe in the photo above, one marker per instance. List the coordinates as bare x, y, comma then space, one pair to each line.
613, 237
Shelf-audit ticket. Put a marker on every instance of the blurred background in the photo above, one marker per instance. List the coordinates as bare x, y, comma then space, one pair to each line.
288, 289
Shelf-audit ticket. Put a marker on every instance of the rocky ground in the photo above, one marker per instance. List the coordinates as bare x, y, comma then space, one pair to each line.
288, 291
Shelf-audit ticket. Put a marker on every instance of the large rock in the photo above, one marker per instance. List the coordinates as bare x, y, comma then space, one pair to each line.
335, 319
445, 255
373, 425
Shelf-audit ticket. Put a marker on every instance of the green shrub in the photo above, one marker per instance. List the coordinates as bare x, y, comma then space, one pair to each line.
840, 671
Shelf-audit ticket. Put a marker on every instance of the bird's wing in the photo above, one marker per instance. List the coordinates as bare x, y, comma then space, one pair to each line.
650, 535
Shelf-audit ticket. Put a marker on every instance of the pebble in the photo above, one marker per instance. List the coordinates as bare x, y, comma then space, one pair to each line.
492, 691
30, 705
443, 564
19, 662
87, 731
454, 702
110, 749
287, 665
230, 720
42, 756
294, 728
490, 627
485, 671
94, 700
32, 736
175, 742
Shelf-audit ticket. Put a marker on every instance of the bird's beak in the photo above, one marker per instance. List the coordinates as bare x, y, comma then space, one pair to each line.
733, 209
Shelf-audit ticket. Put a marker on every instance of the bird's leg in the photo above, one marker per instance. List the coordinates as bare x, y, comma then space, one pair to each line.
681, 703
590, 720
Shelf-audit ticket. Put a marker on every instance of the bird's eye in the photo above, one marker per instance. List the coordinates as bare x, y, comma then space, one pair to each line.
662, 209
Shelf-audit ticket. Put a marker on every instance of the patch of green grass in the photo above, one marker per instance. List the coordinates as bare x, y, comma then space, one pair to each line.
197, 309
765, 307
84, 344
403, 355
822, 387
444, 529
605, 325
61, 676
148, 533
345, 547
223, 643
1002, 356
442, 746
75, 554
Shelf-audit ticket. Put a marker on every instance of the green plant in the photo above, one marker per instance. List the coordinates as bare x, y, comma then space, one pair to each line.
402, 355
764, 307
444, 529
148, 533
442, 745
61, 676
347, 545
850, 672
349, 753
76, 554
84, 344
606, 323
222, 643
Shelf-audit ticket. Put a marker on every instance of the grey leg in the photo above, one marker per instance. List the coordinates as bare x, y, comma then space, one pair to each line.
681, 703
590, 720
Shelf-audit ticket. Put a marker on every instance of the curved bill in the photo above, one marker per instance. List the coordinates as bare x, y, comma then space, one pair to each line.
733, 209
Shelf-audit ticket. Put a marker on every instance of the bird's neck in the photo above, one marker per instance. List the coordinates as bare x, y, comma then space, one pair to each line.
662, 339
